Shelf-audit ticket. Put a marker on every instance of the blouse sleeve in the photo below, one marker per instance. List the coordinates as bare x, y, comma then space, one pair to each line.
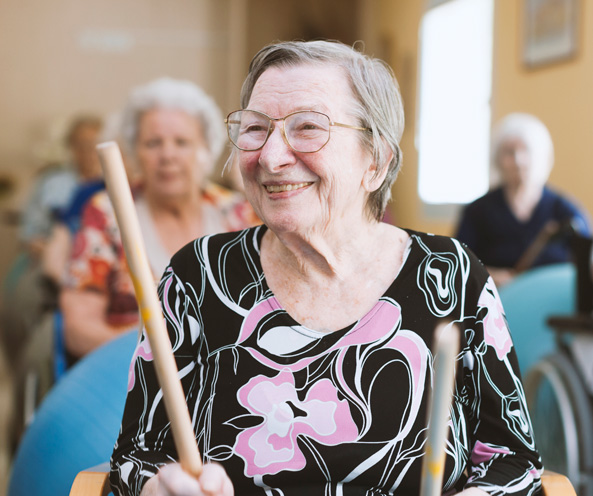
145, 441
504, 458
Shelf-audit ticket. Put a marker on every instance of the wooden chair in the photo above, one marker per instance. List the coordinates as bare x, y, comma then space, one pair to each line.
95, 482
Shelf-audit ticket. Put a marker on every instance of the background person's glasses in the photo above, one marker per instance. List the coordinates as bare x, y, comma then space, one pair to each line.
305, 131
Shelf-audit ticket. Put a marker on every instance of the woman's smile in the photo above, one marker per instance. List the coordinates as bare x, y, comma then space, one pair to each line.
282, 188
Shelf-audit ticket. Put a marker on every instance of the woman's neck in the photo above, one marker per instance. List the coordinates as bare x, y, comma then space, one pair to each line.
179, 207
327, 255
523, 200
326, 284
177, 221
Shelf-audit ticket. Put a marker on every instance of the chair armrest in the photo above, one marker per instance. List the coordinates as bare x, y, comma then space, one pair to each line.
554, 484
93, 481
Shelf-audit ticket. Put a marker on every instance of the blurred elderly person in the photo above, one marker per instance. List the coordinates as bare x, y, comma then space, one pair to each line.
55, 188
174, 134
522, 223
27, 293
304, 344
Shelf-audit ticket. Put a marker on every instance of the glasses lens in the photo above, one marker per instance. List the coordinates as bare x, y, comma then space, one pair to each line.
307, 131
248, 130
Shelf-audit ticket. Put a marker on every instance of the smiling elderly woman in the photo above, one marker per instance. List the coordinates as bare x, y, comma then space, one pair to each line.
304, 344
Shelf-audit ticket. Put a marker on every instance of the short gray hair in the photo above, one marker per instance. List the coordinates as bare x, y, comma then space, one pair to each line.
168, 93
378, 104
531, 131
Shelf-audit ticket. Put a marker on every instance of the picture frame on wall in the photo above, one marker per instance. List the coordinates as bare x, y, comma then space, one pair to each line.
550, 31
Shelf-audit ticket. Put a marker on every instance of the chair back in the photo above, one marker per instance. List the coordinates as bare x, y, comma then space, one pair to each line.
529, 300
77, 424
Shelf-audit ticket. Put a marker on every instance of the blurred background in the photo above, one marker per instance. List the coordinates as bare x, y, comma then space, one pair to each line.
68, 57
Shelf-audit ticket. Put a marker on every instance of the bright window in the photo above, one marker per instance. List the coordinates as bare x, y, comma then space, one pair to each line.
453, 133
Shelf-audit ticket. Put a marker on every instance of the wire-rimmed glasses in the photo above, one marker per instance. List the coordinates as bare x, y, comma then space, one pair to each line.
305, 131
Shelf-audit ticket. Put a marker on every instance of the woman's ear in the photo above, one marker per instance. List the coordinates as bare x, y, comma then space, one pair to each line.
375, 173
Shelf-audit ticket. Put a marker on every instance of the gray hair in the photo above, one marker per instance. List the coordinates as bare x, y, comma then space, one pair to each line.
167, 93
377, 106
532, 132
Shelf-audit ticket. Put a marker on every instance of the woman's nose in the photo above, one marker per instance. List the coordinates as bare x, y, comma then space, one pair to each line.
276, 152
168, 150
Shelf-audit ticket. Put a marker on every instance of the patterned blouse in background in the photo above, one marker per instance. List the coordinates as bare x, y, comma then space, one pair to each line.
289, 411
98, 261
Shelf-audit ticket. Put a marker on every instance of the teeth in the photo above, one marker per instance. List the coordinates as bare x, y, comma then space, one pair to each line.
285, 187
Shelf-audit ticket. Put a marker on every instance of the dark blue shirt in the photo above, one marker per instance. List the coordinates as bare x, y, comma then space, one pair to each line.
491, 230
70, 216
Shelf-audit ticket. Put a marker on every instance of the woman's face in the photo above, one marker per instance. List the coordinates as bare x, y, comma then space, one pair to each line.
84, 153
171, 153
517, 165
308, 192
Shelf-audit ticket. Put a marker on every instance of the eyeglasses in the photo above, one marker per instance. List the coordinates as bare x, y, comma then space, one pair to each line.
305, 131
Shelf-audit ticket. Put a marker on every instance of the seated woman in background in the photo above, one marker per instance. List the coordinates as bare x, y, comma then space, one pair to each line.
28, 294
82, 140
55, 189
304, 345
175, 134
522, 223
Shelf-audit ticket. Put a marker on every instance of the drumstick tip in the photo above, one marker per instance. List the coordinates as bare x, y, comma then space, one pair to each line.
105, 144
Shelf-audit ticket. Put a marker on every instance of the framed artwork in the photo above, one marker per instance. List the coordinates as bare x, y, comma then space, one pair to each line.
550, 31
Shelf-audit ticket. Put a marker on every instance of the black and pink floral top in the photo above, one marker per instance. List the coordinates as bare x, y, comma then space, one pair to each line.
290, 411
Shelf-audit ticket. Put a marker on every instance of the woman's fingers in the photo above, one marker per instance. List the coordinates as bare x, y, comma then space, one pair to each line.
214, 481
174, 481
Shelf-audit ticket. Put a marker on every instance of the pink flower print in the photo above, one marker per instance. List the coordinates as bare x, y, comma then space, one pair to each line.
271, 446
142, 351
483, 452
496, 332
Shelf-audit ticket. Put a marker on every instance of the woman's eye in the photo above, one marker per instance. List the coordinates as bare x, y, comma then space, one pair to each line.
254, 128
152, 143
309, 126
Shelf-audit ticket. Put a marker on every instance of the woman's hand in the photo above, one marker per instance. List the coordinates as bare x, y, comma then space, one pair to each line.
172, 480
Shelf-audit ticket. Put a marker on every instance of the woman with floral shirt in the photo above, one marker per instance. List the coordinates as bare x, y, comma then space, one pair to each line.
304, 345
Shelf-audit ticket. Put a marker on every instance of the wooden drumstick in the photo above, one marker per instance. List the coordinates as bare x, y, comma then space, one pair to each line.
433, 465
150, 308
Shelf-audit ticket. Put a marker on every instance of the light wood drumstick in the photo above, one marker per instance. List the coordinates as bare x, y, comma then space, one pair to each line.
150, 309
433, 465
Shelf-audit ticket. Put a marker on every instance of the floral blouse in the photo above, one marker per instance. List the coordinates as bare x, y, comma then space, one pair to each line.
290, 411
98, 262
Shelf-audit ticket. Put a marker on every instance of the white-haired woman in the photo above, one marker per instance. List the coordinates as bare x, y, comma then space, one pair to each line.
305, 343
174, 134
522, 223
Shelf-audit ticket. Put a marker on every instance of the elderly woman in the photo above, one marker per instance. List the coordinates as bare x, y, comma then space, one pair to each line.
304, 344
174, 135
522, 223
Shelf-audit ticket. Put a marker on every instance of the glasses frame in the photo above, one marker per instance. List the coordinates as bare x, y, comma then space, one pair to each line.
271, 126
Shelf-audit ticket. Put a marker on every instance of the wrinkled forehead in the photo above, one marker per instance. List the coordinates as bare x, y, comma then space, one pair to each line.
306, 86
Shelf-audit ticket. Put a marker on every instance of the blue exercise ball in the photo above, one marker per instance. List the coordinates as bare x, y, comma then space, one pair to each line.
77, 424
